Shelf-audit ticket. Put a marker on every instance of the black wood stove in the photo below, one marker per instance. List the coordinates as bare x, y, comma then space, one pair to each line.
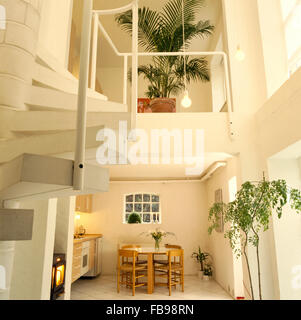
58, 276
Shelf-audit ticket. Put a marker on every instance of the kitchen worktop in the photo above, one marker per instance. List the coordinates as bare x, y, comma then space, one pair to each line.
87, 237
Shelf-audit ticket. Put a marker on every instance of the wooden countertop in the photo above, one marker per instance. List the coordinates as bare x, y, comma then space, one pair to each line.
88, 237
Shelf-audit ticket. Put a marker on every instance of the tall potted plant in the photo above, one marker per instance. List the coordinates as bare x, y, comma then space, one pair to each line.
201, 258
163, 32
249, 215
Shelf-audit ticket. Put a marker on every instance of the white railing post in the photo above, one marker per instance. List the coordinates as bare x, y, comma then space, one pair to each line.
125, 79
78, 176
229, 97
94, 52
134, 63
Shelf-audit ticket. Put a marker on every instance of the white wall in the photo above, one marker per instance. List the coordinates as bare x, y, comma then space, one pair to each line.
287, 231
225, 264
55, 27
248, 77
184, 212
273, 42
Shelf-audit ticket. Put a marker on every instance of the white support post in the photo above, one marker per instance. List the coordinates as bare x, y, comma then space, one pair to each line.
7, 255
134, 64
229, 97
125, 79
78, 178
94, 51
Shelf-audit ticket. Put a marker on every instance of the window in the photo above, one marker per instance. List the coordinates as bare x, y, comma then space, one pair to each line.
147, 205
291, 12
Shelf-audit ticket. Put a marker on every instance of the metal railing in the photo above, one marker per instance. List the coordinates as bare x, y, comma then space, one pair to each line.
98, 26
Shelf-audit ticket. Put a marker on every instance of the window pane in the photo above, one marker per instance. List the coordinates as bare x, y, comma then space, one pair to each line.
155, 198
138, 207
154, 217
138, 198
127, 217
129, 198
146, 207
147, 218
155, 207
146, 198
129, 207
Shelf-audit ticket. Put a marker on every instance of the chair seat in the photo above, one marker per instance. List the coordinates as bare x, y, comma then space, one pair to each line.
161, 262
139, 262
129, 267
165, 267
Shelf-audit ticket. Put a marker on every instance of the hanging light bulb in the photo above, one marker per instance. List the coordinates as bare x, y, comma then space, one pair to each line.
186, 101
240, 55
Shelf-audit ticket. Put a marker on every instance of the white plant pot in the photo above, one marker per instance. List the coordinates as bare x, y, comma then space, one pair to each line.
201, 274
206, 278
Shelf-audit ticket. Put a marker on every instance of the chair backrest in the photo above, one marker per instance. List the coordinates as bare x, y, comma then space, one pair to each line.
172, 246
125, 255
177, 254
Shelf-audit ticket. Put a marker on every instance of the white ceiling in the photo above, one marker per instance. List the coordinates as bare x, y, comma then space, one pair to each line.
107, 58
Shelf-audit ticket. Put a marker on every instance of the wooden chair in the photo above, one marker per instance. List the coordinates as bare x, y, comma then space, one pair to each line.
134, 247
173, 270
167, 246
138, 262
124, 269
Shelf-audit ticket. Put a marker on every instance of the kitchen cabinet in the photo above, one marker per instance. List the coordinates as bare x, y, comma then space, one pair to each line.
84, 203
77, 261
87, 256
92, 254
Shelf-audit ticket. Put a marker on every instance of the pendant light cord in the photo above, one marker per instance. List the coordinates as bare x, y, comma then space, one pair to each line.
184, 47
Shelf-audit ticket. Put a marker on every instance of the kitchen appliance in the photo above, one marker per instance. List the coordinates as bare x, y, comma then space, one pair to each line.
85, 261
97, 268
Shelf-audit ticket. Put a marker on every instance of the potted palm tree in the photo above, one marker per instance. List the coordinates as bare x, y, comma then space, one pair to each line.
163, 32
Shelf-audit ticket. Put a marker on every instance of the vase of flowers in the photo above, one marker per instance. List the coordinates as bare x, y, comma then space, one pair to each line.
158, 236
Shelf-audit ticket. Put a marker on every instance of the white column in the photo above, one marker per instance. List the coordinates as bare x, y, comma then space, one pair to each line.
94, 51
64, 237
31, 279
79, 157
7, 253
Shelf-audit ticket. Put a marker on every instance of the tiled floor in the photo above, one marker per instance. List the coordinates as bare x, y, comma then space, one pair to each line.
104, 288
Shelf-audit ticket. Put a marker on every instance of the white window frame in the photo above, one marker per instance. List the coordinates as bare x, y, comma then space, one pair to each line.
159, 213
294, 62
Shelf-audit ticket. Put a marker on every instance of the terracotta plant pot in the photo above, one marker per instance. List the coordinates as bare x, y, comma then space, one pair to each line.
201, 274
163, 105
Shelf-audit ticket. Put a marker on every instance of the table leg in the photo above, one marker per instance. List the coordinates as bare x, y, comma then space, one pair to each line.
150, 285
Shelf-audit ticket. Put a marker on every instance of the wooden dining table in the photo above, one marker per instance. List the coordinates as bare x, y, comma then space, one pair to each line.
150, 252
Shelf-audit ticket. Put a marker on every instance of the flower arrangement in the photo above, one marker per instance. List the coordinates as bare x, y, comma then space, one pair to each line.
158, 235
